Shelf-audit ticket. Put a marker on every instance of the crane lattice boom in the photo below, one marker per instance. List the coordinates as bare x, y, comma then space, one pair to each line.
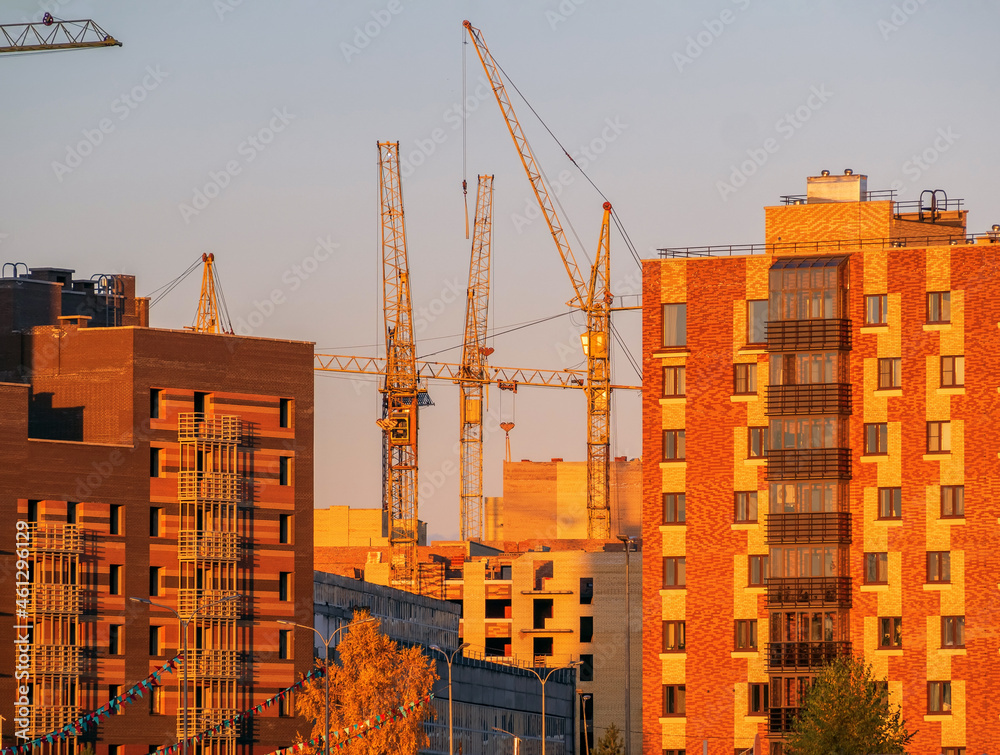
50, 34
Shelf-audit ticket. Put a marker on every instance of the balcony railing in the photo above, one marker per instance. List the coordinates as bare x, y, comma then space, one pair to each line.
190, 599
803, 656
780, 720
200, 719
808, 335
796, 400
818, 527
809, 591
209, 486
809, 464
62, 538
64, 660
212, 546
198, 426
48, 718
55, 599
215, 664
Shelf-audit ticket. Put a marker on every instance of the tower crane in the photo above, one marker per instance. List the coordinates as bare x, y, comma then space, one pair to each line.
475, 352
211, 319
53, 34
593, 297
399, 391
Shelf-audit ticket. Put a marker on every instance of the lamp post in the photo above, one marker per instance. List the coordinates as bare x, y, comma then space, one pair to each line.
627, 541
542, 680
517, 740
326, 676
451, 727
583, 709
184, 622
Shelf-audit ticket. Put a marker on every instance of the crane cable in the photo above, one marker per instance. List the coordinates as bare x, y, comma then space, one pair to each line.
166, 288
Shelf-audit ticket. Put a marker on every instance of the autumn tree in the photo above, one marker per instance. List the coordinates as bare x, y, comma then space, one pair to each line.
846, 711
611, 742
375, 677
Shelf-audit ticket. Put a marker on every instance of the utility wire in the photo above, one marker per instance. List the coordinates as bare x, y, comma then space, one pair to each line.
511, 330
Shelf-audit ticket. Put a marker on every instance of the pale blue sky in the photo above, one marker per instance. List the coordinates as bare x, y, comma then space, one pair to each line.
693, 90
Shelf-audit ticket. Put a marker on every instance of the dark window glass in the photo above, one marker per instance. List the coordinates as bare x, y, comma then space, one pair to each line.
674, 700
746, 506
674, 637
673, 445
674, 325
890, 372
674, 508
756, 442
586, 629
757, 321
155, 402
939, 566
953, 631
952, 372
890, 632
876, 568
939, 697
890, 503
284, 470
285, 412
876, 309
758, 571
284, 528
284, 578
745, 379
952, 500
674, 572
939, 306
746, 634
674, 382
758, 698
877, 438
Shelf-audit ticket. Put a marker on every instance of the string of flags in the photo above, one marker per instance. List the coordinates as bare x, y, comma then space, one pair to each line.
357, 731
76, 728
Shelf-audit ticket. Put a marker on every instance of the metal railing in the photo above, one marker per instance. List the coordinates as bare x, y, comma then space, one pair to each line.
808, 335
809, 591
211, 486
55, 599
64, 538
215, 663
798, 400
808, 464
50, 660
214, 546
810, 527
202, 719
780, 720
803, 656
200, 426
876, 195
190, 599
49, 718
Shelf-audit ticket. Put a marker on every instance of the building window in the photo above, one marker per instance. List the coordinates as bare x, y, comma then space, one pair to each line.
876, 568
745, 379
939, 566
890, 632
673, 445
953, 631
673, 508
586, 667
674, 325
155, 517
155, 402
155, 462
71, 512
284, 528
154, 581
758, 694
32, 511
286, 705
684, 752
756, 442
952, 501
284, 644
114, 579
201, 402
586, 629
758, 571
890, 503
154, 640
876, 309
114, 519
285, 412
877, 438
284, 470
746, 506
114, 639
113, 691
938, 437
674, 574
939, 306
952, 372
746, 634
757, 321
542, 646
952, 751
939, 697
155, 701
674, 700
889, 372
284, 582
674, 382
586, 591
674, 637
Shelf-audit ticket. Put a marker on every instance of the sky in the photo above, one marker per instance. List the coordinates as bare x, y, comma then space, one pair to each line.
248, 129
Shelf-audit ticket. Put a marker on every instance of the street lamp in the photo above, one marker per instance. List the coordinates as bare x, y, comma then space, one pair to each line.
451, 727
517, 740
627, 541
551, 669
326, 644
583, 709
184, 644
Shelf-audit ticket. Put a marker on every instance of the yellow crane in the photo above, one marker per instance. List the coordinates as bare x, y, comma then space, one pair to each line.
592, 297
210, 318
53, 34
399, 391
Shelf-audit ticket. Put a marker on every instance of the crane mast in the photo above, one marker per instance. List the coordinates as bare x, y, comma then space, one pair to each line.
594, 299
474, 355
399, 392
207, 320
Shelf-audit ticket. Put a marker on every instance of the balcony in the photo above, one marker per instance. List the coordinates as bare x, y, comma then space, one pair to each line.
49, 718
212, 546
56, 538
809, 464
780, 720
209, 486
215, 664
55, 599
202, 719
809, 591
797, 400
804, 656
809, 335
819, 527
50, 660
189, 599
198, 426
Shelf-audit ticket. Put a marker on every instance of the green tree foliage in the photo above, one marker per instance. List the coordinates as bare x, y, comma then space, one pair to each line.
375, 677
846, 712
611, 742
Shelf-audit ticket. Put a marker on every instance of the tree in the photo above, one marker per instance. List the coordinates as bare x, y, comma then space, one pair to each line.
847, 712
375, 677
611, 742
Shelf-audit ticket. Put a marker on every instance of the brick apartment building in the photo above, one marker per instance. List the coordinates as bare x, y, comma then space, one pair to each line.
167, 465
820, 467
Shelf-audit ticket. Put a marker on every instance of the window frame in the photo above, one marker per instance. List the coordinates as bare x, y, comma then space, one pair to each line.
745, 384
762, 431
751, 517
890, 373
286, 413
284, 529
682, 341
944, 691
679, 627
896, 503
156, 403
156, 456
155, 581
285, 471
586, 631
958, 628
284, 586
679, 442
670, 568
954, 372
943, 303
939, 426
960, 497
679, 511
745, 629
762, 562
115, 644
763, 690
679, 386
882, 309
115, 579
155, 640
880, 436
115, 518
938, 573
156, 521
751, 320
678, 699
881, 561
895, 633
